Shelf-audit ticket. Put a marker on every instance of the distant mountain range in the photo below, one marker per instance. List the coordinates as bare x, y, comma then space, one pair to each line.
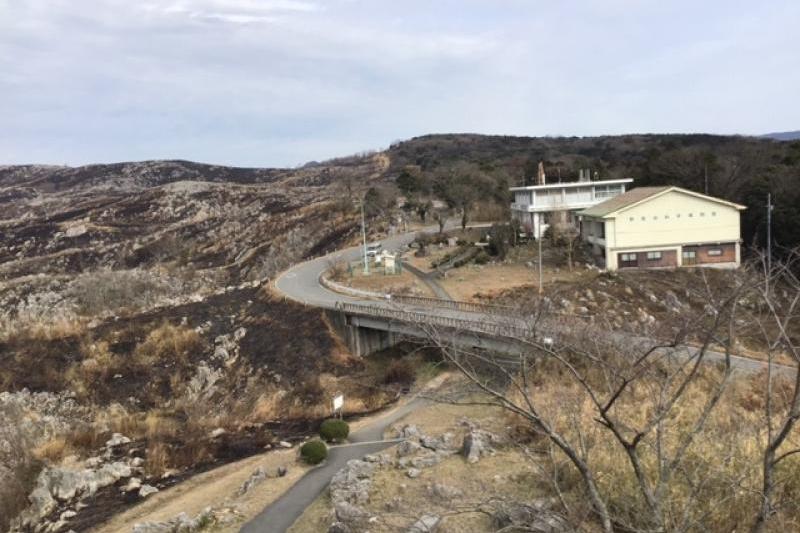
784, 135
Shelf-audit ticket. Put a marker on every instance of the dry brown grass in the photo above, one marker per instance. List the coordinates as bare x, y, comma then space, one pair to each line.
168, 343
717, 485
53, 450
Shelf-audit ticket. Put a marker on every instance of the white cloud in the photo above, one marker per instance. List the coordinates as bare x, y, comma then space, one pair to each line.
259, 82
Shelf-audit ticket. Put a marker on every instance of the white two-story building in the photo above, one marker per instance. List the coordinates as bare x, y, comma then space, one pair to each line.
533, 206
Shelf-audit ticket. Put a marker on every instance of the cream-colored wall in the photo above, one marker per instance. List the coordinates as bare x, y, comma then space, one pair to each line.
683, 229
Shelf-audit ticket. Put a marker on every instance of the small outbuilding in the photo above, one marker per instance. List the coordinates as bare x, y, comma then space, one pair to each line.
663, 227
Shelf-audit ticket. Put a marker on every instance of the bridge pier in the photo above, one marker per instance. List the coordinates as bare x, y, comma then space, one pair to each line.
361, 340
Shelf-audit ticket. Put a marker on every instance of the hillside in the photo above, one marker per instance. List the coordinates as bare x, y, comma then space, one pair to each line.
135, 301
138, 339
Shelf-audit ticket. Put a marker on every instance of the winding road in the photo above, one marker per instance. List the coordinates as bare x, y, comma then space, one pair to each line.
301, 283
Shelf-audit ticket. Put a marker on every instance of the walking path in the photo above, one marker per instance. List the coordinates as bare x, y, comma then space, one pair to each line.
429, 279
282, 513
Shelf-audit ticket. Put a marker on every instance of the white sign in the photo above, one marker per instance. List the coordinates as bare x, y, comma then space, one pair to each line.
338, 402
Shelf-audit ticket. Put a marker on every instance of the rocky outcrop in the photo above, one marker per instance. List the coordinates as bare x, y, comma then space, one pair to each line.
183, 523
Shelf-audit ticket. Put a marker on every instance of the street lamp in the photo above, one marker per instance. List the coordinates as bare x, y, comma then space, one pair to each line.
364, 238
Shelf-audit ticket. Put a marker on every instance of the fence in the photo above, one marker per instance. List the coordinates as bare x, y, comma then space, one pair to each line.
468, 307
414, 317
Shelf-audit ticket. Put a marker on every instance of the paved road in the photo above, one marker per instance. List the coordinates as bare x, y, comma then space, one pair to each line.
282, 513
301, 283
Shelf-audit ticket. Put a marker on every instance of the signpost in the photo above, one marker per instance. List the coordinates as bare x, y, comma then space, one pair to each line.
338, 404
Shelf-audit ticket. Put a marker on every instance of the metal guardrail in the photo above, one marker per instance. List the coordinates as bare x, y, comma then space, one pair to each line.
469, 307
413, 317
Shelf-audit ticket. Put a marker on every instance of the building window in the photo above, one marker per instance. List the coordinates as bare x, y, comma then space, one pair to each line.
666, 217
713, 213
689, 257
601, 230
702, 213
690, 215
655, 217
628, 258
678, 215
654, 256
631, 219
715, 252
644, 218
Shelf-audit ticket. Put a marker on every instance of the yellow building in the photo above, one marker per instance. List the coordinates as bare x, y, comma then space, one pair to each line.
663, 227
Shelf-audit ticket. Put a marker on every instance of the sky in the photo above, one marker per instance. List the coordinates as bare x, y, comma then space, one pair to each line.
281, 82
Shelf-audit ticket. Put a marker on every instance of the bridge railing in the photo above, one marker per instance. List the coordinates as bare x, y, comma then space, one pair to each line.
424, 319
469, 307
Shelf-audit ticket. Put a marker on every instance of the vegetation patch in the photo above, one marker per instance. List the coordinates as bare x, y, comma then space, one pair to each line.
314, 452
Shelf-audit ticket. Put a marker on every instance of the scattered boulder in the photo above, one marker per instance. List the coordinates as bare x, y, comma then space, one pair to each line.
349, 513
444, 492
407, 447
133, 484
284, 444
425, 524
442, 442
351, 484
409, 431
413, 473
117, 439
147, 490
258, 475
217, 433
477, 443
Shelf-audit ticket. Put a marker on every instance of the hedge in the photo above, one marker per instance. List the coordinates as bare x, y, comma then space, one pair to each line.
314, 452
333, 430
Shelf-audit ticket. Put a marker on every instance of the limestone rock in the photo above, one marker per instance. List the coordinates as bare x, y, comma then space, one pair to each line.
351, 484
117, 439
426, 524
258, 475
407, 447
147, 490
476, 444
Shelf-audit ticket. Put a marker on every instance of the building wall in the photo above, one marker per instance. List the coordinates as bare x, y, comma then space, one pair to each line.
669, 258
671, 219
704, 254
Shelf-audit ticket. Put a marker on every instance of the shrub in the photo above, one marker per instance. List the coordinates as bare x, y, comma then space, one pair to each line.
400, 371
314, 452
482, 258
333, 430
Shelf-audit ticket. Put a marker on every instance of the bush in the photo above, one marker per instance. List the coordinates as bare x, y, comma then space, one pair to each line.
400, 371
314, 452
482, 258
333, 430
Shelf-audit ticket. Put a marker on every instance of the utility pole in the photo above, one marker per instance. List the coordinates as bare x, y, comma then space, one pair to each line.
769, 237
539, 241
705, 174
364, 238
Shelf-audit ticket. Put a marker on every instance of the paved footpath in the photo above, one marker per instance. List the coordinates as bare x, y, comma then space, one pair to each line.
283, 512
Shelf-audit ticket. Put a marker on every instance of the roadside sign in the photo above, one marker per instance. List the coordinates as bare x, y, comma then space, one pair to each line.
338, 403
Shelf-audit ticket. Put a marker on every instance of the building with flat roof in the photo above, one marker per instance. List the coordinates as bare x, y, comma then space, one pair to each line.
663, 227
535, 205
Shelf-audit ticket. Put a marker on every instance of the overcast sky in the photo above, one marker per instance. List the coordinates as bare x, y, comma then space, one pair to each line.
281, 82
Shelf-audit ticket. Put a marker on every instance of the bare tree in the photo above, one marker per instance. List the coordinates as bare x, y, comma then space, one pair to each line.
778, 322
607, 374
